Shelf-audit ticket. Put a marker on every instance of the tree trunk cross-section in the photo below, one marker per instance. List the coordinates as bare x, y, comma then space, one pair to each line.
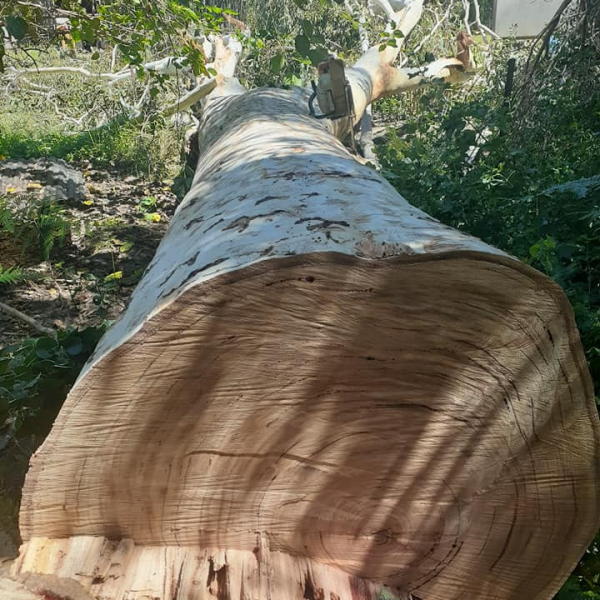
319, 392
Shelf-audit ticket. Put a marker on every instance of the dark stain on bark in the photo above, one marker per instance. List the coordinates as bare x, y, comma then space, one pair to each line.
193, 222
213, 225
242, 223
323, 223
195, 272
189, 262
311, 592
265, 199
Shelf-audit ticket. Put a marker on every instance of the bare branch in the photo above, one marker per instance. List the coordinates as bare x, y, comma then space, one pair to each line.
437, 25
545, 36
482, 28
444, 70
61, 70
27, 319
191, 98
382, 7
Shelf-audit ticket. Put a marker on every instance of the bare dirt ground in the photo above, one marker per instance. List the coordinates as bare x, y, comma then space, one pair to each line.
115, 229
116, 225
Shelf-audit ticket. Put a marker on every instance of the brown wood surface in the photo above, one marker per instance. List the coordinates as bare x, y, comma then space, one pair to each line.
423, 422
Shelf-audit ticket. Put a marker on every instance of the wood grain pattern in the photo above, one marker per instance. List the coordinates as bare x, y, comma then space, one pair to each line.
337, 407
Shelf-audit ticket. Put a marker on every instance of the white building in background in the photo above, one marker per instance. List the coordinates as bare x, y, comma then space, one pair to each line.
523, 18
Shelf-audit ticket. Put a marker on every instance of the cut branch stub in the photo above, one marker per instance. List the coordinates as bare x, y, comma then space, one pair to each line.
321, 390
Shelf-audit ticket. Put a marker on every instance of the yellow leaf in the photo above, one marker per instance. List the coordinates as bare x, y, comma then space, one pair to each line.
88, 202
114, 276
34, 186
11, 190
156, 217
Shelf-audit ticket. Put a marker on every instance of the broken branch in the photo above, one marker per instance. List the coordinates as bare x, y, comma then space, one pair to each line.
27, 319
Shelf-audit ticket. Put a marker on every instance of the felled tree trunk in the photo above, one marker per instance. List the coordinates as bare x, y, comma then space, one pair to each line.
319, 392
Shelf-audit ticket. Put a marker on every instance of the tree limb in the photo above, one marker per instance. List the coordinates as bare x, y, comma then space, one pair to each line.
191, 98
27, 319
366, 123
437, 25
444, 70
59, 70
367, 75
482, 28
227, 53
467, 8
169, 65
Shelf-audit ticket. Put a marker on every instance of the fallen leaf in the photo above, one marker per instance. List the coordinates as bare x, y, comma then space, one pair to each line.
125, 246
114, 276
154, 217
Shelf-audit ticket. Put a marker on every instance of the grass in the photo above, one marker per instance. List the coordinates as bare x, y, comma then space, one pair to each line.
31, 127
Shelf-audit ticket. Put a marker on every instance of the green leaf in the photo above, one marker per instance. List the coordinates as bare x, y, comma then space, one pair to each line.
302, 45
318, 55
73, 345
292, 79
16, 27
126, 247
113, 276
307, 27
277, 63
45, 348
11, 275
95, 56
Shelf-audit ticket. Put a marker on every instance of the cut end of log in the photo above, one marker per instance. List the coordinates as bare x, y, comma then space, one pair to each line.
406, 421
87, 568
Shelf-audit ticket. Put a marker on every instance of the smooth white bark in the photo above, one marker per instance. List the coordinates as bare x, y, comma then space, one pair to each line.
273, 182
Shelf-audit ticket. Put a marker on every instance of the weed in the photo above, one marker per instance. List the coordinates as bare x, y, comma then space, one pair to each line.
35, 223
